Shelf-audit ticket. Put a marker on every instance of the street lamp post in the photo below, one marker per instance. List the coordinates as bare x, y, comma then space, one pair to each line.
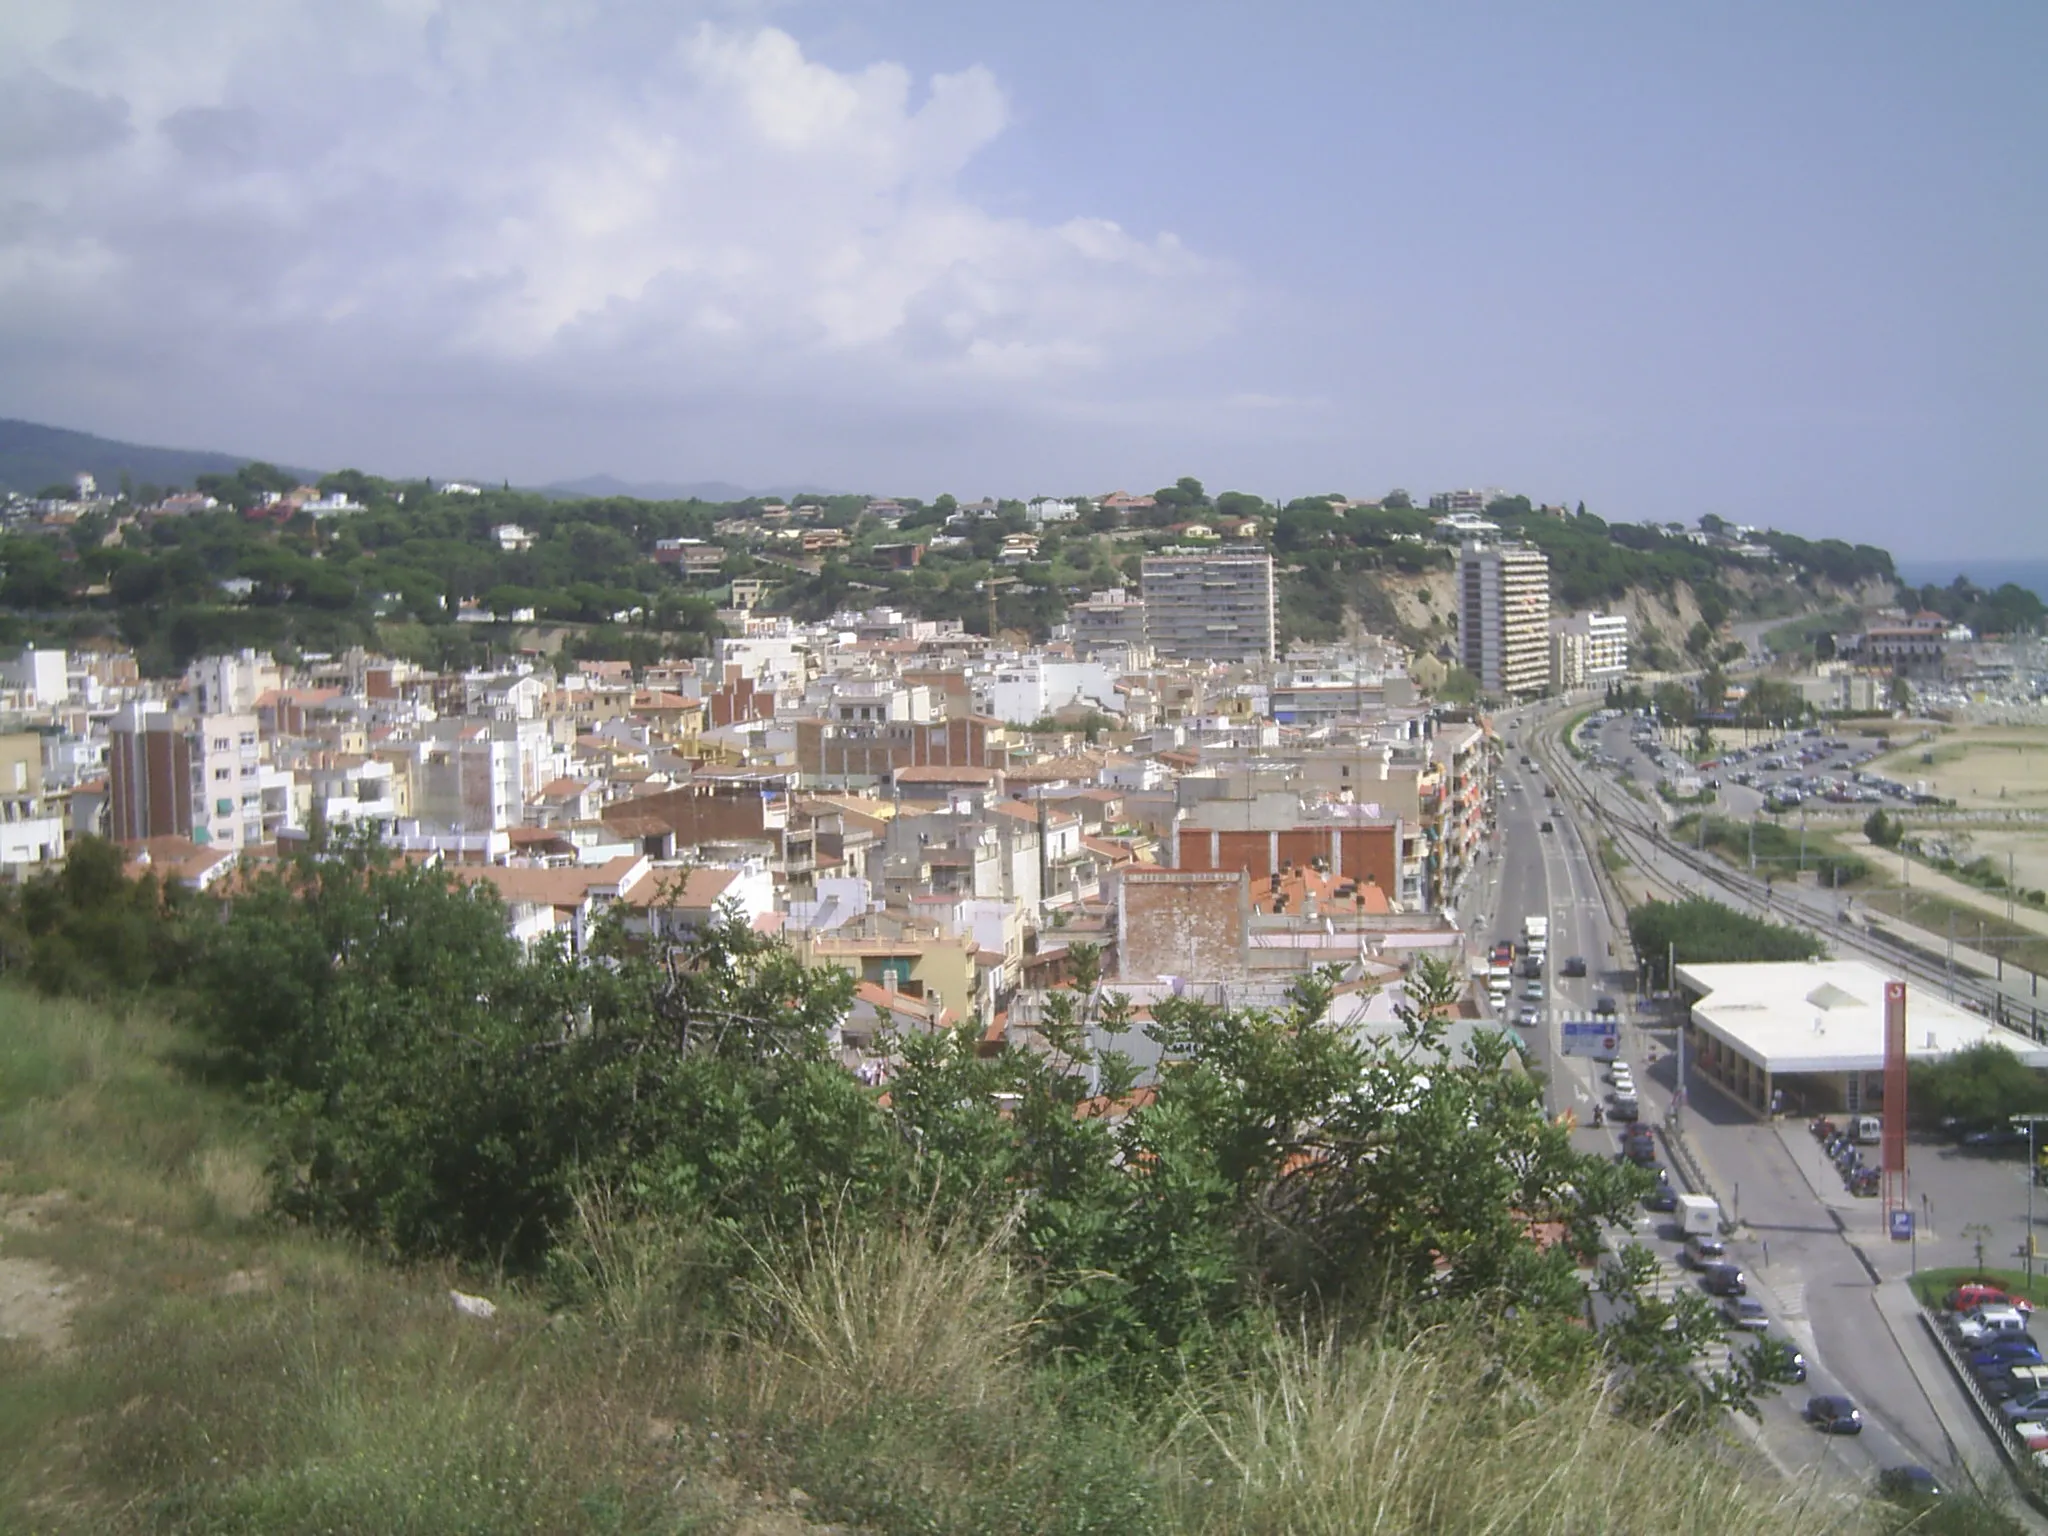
2033, 1170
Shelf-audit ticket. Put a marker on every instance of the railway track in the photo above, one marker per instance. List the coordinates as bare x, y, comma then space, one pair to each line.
1643, 838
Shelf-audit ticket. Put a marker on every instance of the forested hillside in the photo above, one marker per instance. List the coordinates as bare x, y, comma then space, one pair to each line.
450, 576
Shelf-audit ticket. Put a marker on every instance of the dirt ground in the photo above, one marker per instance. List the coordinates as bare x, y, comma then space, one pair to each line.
2029, 851
1979, 767
36, 1301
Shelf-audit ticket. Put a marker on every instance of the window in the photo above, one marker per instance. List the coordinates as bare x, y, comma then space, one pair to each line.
223, 773
220, 743
248, 738
21, 775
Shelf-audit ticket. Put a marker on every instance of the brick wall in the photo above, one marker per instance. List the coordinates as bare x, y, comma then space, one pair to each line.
1177, 923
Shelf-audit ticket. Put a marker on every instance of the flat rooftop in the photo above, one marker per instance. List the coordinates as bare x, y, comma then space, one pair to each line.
1828, 1016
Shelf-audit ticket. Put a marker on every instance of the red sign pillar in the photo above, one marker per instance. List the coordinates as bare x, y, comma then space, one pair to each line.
1892, 1147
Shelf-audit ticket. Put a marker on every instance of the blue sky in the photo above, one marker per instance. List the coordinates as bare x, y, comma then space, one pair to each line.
1779, 262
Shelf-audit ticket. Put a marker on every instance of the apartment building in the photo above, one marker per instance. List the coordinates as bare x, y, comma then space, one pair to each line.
1209, 605
1588, 650
31, 831
1108, 621
1504, 617
206, 777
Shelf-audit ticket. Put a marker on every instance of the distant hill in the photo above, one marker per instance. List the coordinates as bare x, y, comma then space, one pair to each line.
663, 490
33, 456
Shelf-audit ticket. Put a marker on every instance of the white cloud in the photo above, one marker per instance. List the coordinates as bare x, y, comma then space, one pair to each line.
567, 200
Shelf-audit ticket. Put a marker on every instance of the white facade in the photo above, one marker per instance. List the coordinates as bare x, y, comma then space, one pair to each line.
1588, 650
1033, 688
775, 661
38, 675
31, 839
1504, 617
225, 684
856, 700
475, 776
228, 765
1050, 509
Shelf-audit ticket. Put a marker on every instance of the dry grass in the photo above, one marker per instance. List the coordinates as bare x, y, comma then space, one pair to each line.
226, 1375
920, 1313
1373, 1439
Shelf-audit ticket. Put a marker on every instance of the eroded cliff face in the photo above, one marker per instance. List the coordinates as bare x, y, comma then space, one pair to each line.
1424, 608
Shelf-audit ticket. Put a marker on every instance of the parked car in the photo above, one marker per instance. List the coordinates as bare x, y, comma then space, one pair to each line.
2012, 1349
1723, 1280
1779, 1359
1989, 1321
2003, 1138
1908, 1484
2028, 1405
1968, 1297
1834, 1415
1702, 1251
1742, 1312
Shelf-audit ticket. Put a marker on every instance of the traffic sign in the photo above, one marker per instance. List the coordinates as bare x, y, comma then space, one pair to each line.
1596, 1038
1902, 1224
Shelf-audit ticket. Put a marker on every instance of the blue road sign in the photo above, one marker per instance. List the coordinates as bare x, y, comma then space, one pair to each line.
1597, 1038
1902, 1225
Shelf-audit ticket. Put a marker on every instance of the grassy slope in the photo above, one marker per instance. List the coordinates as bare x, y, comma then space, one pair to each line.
221, 1374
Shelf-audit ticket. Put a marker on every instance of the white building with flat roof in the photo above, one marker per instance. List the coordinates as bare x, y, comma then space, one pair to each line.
1814, 1030
1588, 650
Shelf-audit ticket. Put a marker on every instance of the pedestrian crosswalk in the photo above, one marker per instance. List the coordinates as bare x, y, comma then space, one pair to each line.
1791, 1298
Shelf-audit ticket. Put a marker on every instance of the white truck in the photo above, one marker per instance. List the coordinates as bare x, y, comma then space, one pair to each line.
1536, 934
1699, 1215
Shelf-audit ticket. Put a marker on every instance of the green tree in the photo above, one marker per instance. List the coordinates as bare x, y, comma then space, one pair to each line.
1705, 932
1981, 1086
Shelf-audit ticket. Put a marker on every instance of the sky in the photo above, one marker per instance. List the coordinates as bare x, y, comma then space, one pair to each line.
1780, 262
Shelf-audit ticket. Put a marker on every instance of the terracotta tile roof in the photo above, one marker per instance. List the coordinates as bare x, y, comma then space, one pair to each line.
932, 773
175, 858
549, 887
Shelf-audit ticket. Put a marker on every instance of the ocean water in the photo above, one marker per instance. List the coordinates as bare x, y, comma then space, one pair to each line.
2031, 574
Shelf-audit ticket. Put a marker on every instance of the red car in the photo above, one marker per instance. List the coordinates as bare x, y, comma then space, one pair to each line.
1965, 1298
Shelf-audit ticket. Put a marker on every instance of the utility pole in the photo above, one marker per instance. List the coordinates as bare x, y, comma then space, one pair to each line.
1951, 957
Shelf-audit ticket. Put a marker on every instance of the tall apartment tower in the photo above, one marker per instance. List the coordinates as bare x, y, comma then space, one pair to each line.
151, 774
1504, 617
1209, 605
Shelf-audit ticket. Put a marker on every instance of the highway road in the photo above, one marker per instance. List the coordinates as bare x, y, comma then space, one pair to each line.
1813, 1254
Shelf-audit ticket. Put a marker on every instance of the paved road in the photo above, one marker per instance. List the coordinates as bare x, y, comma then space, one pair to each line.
1812, 1253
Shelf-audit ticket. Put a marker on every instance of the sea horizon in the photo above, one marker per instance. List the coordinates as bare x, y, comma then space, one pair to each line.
1990, 573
